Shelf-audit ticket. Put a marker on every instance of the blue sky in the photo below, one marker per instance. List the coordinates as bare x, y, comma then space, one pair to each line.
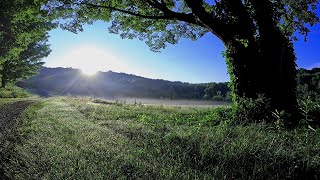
189, 61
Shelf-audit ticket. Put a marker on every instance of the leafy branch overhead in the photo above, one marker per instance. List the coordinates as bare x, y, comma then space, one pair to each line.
23, 39
159, 22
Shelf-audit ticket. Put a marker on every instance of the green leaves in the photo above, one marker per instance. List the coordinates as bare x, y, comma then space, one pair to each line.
155, 22
23, 42
298, 16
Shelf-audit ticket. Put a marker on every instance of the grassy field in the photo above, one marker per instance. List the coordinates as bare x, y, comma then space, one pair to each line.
75, 138
173, 102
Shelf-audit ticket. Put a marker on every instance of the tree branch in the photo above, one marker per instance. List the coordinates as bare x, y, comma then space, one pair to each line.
167, 13
213, 24
125, 11
189, 18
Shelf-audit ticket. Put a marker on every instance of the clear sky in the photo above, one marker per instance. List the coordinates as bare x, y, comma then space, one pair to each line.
189, 61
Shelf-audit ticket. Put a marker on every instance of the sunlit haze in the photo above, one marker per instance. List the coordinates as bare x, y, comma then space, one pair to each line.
90, 59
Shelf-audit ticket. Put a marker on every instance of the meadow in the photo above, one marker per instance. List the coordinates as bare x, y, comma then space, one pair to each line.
169, 102
80, 138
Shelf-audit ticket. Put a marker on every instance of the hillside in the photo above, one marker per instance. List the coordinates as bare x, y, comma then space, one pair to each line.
64, 81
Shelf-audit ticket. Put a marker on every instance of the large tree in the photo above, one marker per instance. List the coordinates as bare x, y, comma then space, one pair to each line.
257, 34
27, 64
23, 38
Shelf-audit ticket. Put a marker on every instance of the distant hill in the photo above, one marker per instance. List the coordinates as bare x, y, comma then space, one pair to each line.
68, 81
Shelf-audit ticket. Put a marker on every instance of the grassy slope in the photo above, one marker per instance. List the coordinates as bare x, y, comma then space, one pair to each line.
12, 91
72, 138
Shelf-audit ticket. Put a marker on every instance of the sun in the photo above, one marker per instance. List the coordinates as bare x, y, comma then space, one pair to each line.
89, 71
91, 59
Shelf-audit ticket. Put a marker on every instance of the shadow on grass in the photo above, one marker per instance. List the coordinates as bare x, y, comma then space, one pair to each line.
11, 117
220, 158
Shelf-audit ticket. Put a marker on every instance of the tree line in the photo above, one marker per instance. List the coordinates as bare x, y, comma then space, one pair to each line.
65, 81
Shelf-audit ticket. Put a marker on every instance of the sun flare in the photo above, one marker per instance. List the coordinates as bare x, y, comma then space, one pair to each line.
88, 71
91, 59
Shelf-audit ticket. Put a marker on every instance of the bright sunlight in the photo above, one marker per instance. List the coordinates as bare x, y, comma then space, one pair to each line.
88, 71
90, 59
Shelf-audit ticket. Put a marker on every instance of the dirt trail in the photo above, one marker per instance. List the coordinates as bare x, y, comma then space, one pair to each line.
10, 111
8, 115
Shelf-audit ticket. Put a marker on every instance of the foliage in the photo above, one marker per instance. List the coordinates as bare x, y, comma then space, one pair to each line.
70, 138
253, 110
296, 14
21, 24
308, 92
23, 39
159, 23
216, 91
13, 92
311, 112
27, 64
308, 84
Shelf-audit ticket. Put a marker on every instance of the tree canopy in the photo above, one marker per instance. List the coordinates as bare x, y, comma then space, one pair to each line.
159, 22
23, 38
26, 64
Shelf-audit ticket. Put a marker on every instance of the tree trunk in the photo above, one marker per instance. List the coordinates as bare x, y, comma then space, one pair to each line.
3, 76
3, 81
260, 58
268, 69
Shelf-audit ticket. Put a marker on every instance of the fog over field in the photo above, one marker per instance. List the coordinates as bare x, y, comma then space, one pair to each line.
169, 102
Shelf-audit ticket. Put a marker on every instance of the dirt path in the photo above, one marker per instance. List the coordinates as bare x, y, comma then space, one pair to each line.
8, 115
9, 112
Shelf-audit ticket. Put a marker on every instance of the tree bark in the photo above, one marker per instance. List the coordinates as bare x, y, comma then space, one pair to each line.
4, 76
278, 56
260, 58
267, 69
271, 73
3, 81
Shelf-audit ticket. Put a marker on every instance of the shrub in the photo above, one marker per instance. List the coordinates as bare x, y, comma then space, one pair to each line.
249, 110
218, 115
13, 92
218, 98
310, 110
